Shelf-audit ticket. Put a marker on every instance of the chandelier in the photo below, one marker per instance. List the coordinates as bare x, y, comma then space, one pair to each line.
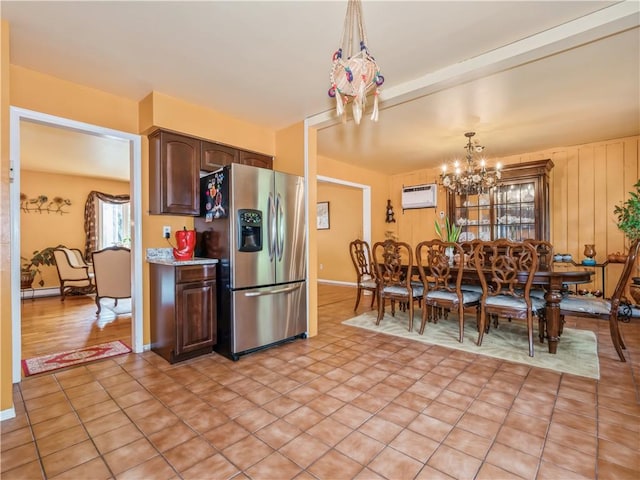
352, 78
473, 177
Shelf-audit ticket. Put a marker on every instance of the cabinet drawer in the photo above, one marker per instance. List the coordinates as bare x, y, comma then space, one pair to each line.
195, 273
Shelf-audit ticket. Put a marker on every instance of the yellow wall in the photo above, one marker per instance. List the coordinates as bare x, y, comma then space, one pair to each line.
345, 225
6, 398
378, 182
335, 240
586, 183
290, 150
42, 93
41, 230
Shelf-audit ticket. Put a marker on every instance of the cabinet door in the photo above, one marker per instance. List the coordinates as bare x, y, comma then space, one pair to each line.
195, 316
174, 176
256, 159
515, 211
214, 156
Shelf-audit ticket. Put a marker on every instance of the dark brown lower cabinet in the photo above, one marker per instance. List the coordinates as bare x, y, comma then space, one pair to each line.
183, 310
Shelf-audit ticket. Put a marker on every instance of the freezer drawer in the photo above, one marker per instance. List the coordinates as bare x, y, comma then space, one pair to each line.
266, 315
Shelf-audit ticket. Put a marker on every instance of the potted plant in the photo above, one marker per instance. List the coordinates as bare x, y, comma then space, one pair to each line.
629, 218
451, 232
30, 267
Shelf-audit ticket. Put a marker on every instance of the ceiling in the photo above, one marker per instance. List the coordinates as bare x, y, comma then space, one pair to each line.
525, 76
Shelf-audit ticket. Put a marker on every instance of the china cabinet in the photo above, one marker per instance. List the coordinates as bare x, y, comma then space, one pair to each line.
517, 209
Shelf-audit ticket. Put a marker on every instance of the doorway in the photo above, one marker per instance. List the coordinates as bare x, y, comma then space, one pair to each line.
366, 219
19, 115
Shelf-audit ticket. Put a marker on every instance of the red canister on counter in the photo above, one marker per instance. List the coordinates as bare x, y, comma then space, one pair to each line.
186, 242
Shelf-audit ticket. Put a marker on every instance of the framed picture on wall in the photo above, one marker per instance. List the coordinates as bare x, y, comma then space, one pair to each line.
323, 215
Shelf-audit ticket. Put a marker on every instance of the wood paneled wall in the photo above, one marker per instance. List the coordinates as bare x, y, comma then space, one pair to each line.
587, 182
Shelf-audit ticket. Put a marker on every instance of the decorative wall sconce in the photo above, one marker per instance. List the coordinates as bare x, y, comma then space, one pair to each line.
390, 213
42, 204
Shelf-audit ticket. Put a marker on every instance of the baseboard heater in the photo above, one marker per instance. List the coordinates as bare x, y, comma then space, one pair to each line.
419, 196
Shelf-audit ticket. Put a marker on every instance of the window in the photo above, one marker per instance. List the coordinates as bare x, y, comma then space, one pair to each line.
106, 222
113, 225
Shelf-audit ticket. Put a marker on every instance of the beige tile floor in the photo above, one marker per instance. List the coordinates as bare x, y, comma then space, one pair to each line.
344, 404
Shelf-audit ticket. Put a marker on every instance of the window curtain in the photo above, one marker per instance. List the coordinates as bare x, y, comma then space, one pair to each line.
91, 218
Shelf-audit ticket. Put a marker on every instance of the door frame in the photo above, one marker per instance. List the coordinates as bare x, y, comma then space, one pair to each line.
366, 202
18, 115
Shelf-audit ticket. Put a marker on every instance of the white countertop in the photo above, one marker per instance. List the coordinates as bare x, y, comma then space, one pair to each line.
164, 256
179, 263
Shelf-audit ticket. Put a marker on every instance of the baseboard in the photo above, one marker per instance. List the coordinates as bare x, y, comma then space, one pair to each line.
7, 414
337, 282
39, 292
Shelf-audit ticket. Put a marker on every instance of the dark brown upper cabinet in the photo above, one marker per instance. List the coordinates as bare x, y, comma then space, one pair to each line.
256, 159
176, 161
174, 174
214, 156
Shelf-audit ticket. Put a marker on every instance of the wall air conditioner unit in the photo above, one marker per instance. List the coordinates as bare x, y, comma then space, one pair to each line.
419, 196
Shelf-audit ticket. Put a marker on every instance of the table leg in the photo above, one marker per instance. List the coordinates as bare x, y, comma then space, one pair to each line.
553, 298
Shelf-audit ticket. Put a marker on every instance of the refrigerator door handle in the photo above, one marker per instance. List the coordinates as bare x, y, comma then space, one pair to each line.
271, 227
272, 292
279, 228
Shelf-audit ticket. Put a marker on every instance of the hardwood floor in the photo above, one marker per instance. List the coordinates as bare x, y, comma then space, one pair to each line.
50, 326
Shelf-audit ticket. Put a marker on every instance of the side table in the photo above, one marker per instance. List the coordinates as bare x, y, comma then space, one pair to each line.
601, 266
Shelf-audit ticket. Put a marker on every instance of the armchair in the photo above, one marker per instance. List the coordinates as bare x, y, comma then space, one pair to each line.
74, 274
112, 267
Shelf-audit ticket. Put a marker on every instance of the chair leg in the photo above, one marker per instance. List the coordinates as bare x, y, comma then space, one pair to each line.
373, 298
98, 305
461, 323
542, 326
423, 323
616, 338
411, 316
530, 333
482, 320
380, 310
357, 299
62, 293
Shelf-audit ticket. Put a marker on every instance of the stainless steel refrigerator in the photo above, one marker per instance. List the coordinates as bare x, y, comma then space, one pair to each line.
253, 220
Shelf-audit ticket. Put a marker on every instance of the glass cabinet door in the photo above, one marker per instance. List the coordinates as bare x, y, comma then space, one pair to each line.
518, 209
473, 215
515, 211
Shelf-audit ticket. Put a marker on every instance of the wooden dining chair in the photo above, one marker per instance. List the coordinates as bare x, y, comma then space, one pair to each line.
613, 310
442, 283
365, 271
544, 250
506, 275
394, 265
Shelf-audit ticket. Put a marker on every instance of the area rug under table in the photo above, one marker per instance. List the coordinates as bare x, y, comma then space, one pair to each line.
577, 352
56, 361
